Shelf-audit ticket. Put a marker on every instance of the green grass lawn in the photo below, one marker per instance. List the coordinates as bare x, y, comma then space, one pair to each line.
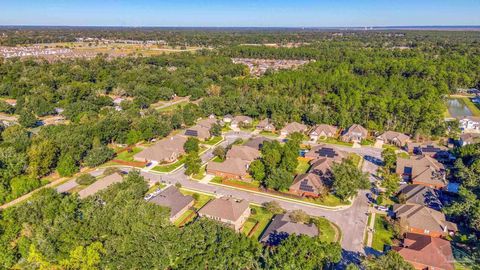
335, 141
328, 200
187, 213
355, 158
367, 142
200, 175
173, 107
326, 230
303, 166
213, 140
471, 106
365, 237
383, 233
202, 198
403, 155
169, 167
226, 128
269, 134
128, 155
262, 217
155, 187
253, 184
217, 159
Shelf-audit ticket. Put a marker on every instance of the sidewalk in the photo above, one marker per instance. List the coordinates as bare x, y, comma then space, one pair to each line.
370, 228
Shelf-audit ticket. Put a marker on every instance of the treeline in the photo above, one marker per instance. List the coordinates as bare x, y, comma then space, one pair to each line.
117, 229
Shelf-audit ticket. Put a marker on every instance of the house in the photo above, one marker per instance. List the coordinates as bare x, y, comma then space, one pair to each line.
257, 142
417, 218
281, 227
164, 151
324, 151
243, 152
422, 170
241, 120
230, 211
227, 118
266, 125
469, 138
427, 149
425, 252
355, 133
101, 184
200, 132
173, 199
419, 194
292, 128
308, 185
470, 123
233, 168
207, 122
322, 131
394, 138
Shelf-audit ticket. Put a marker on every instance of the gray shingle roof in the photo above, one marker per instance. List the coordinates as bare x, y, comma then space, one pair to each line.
281, 227
227, 208
173, 199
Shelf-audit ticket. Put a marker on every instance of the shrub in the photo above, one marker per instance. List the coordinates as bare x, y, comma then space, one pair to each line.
85, 179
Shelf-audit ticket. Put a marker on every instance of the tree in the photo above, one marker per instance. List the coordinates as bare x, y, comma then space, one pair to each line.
273, 207
299, 216
389, 159
27, 119
216, 129
98, 156
347, 179
21, 185
85, 258
220, 152
42, 156
257, 170
193, 163
391, 260
67, 166
17, 137
279, 179
391, 183
191, 145
85, 179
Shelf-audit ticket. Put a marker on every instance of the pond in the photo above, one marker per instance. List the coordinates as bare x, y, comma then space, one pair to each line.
457, 108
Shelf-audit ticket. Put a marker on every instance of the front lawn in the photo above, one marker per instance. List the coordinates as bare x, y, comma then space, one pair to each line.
214, 140
238, 183
128, 155
335, 141
303, 166
157, 185
383, 233
355, 158
217, 159
173, 106
260, 216
170, 167
202, 198
326, 230
328, 200
269, 134
403, 155
200, 175
367, 142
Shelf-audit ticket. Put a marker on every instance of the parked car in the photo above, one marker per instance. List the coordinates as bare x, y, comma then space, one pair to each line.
382, 208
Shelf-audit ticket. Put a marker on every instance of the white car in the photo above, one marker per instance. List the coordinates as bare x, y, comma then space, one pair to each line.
382, 208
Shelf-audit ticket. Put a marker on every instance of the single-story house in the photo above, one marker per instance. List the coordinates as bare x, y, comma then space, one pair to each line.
227, 118
292, 128
426, 149
419, 194
308, 185
241, 120
173, 199
207, 122
266, 125
470, 123
233, 168
422, 170
469, 138
394, 138
199, 132
101, 184
324, 151
257, 142
243, 152
322, 131
419, 219
281, 227
425, 252
355, 133
230, 211
164, 151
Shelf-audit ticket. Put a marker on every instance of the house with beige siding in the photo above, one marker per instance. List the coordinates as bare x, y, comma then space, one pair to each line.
227, 210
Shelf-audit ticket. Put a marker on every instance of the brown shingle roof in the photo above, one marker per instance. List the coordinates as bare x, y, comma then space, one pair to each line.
419, 194
435, 253
233, 166
243, 152
421, 217
294, 127
281, 227
354, 132
100, 185
325, 129
163, 149
173, 199
394, 137
227, 208
308, 183
257, 142
422, 169
321, 151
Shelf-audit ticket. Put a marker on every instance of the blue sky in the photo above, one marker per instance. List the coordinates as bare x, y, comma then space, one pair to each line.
262, 13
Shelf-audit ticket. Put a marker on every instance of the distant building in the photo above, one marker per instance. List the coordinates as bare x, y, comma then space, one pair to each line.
469, 138
173, 199
167, 150
257, 142
292, 128
266, 125
241, 120
425, 252
281, 227
322, 131
470, 123
323, 150
394, 138
230, 211
355, 133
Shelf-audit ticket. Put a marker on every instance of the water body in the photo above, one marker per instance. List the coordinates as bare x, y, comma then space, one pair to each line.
457, 108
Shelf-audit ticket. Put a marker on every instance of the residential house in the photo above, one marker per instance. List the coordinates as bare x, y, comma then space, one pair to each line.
241, 120
427, 149
232, 168
257, 142
394, 138
417, 218
227, 118
308, 185
101, 184
419, 194
200, 132
355, 133
425, 252
266, 125
422, 170
230, 211
243, 152
469, 138
282, 226
322, 131
173, 199
470, 123
292, 128
324, 151
164, 151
